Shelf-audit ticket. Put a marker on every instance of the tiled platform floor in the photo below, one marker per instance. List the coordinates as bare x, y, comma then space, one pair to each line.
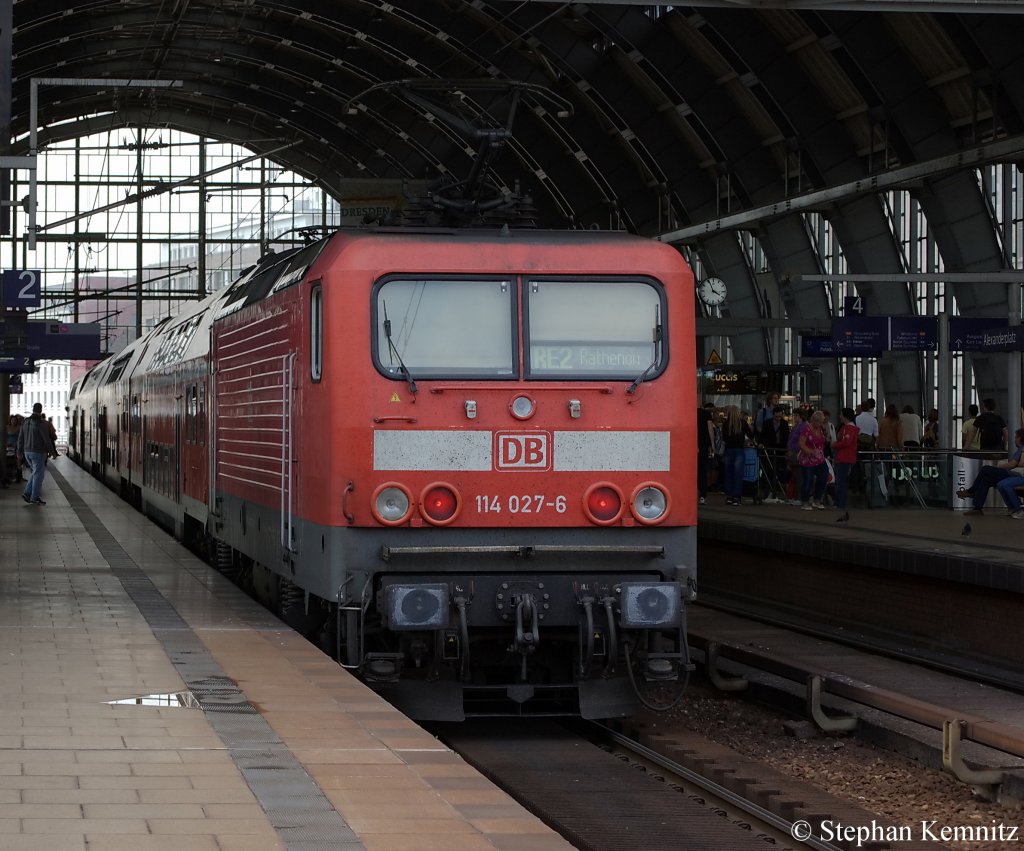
79, 772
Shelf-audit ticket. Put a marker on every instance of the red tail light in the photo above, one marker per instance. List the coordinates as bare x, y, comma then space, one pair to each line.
440, 504
602, 503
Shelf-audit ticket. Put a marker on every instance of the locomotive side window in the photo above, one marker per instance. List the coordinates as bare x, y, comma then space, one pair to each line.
316, 332
445, 328
594, 329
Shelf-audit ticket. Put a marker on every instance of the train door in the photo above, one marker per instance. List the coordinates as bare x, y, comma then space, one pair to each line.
104, 441
126, 438
135, 445
176, 468
288, 456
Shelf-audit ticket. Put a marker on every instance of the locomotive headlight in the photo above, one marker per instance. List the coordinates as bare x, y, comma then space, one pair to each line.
649, 504
392, 503
522, 407
650, 605
416, 606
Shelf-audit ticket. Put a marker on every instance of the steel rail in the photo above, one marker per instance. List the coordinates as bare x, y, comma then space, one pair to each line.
724, 796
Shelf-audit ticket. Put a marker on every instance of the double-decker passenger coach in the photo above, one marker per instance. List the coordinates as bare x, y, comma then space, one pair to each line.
464, 459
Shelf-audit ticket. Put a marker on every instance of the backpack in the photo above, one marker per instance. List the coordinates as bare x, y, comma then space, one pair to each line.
865, 442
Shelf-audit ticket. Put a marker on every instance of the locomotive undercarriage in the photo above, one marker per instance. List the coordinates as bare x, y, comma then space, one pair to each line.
444, 646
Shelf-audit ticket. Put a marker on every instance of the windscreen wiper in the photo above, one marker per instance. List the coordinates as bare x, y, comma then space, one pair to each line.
393, 349
656, 335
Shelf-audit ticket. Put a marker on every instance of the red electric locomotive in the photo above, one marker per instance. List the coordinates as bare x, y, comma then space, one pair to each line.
465, 458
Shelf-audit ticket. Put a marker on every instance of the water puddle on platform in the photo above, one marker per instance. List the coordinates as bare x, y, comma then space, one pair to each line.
176, 700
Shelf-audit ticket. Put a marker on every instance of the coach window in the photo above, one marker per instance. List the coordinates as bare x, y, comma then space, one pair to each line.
445, 328
594, 329
316, 332
192, 421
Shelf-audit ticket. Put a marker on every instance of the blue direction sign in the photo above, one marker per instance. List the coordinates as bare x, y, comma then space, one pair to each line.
22, 288
860, 335
14, 386
52, 340
967, 333
813, 346
913, 334
17, 363
1009, 339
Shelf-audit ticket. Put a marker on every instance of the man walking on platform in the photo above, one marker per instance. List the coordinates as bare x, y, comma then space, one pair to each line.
35, 446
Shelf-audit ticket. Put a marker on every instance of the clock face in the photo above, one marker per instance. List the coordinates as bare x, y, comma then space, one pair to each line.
712, 291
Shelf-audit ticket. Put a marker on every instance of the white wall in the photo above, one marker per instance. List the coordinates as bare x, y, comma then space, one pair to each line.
50, 385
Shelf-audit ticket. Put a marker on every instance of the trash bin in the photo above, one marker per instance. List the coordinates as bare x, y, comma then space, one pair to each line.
965, 471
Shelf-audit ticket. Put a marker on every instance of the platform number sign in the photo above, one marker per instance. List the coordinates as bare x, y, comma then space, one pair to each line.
22, 288
853, 305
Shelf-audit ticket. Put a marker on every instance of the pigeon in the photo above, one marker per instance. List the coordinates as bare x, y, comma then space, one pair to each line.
966, 531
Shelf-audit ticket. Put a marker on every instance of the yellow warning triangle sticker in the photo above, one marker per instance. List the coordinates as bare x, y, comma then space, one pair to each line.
714, 357
394, 397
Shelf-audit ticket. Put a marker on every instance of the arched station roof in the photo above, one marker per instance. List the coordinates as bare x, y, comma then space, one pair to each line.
680, 115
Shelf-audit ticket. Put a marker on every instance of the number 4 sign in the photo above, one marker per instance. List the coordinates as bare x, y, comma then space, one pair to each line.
853, 305
22, 288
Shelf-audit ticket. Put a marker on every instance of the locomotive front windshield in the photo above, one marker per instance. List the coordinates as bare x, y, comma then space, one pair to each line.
446, 328
571, 328
592, 329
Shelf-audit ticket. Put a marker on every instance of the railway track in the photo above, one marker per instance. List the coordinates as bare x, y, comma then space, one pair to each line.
608, 789
958, 732
649, 784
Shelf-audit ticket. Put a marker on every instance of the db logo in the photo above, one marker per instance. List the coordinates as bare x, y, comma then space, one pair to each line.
522, 451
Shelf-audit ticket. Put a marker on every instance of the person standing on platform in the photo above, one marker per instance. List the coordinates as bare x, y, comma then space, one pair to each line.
51, 429
867, 441
764, 415
912, 427
830, 430
812, 460
35, 446
991, 427
992, 475
890, 429
868, 425
774, 441
705, 451
737, 435
930, 431
844, 454
14, 424
793, 455
971, 436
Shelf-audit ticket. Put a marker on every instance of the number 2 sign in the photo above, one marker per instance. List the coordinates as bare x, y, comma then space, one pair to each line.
22, 288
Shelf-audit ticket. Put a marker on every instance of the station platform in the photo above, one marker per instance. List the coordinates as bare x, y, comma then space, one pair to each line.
146, 703
931, 579
937, 543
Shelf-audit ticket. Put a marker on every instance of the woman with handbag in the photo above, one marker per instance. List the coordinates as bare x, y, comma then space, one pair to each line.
812, 462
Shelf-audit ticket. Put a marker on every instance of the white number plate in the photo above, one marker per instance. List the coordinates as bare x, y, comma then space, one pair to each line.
520, 504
